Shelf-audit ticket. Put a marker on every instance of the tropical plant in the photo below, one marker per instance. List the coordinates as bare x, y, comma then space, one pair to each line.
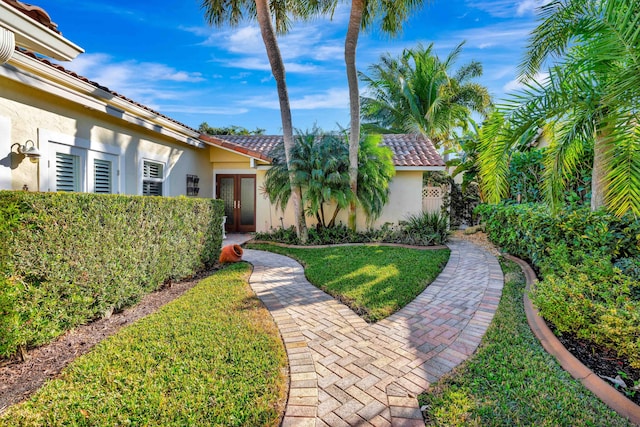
416, 93
391, 15
320, 165
233, 12
586, 103
228, 130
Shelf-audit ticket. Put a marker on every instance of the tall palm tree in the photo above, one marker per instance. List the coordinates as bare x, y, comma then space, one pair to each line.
233, 12
391, 15
589, 99
416, 92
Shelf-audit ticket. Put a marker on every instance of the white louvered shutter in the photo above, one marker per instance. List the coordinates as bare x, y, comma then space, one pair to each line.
153, 174
67, 172
102, 172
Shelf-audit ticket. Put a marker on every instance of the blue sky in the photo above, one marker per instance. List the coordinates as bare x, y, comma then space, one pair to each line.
167, 58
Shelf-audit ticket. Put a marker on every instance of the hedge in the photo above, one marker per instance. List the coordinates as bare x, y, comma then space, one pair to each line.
531, 232
69, 258
586, 260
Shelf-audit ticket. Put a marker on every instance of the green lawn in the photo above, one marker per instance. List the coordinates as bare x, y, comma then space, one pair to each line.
375, 281
211, 357
511, 380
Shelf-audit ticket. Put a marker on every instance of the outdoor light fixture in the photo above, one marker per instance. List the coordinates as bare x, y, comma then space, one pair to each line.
31, 152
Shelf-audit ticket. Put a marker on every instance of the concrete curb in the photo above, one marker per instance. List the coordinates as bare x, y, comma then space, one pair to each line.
608, 394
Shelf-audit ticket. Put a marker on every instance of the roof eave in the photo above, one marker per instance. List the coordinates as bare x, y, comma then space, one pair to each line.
34, 36
30, 71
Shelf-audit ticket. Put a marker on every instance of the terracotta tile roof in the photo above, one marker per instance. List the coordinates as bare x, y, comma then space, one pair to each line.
36, 13
258, 151
408, 149
99, 86
412, 150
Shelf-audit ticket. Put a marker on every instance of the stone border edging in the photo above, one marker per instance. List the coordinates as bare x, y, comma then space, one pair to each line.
397, 245
605, 392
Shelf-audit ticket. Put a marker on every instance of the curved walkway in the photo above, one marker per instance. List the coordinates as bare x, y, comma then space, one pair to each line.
345, 372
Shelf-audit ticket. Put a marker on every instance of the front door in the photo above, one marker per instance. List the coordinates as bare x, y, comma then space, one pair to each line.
239, 195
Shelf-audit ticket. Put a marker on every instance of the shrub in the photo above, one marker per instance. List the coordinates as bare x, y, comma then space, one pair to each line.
75, 257
593, 301
530, 231
426, 228
581, 292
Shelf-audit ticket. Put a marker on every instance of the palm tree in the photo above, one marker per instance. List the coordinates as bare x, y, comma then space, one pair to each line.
363, 13
321, 164
416, 93
233, 12
588, 100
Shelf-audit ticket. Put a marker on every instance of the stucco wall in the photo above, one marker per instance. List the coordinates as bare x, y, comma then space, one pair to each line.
27, 113
405, 198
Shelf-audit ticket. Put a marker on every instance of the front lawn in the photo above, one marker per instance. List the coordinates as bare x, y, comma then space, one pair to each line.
375, 281
211, 357
511, 380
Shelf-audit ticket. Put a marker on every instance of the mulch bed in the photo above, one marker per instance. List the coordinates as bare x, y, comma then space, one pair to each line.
602, 361
19, 379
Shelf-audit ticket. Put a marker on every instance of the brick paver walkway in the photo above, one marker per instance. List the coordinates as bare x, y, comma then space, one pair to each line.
345, 372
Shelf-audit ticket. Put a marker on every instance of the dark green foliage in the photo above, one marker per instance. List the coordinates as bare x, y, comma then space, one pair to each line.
76, 257
574, 251
530, 232
426, 228
320, 164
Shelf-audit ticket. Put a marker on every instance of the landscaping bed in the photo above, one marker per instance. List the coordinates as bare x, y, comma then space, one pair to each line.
512, 380
211, 357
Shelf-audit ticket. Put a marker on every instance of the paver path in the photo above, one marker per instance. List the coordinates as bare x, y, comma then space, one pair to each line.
345, 372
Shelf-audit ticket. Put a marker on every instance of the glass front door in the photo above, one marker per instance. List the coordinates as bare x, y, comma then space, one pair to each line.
239, 195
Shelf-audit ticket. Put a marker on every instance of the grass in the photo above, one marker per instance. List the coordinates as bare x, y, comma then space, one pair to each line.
211, 357
511, 380
375, 281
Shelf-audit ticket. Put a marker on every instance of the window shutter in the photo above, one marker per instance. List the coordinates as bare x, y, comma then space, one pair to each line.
153, 175
102, 176
67, 172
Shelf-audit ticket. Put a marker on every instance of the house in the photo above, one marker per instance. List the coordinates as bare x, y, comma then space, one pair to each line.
238, 180
62, 132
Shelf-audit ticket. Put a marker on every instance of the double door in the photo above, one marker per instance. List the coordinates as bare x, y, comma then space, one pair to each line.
239, 195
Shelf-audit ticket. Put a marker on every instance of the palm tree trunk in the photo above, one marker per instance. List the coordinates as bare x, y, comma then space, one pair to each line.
277, 68
351, 42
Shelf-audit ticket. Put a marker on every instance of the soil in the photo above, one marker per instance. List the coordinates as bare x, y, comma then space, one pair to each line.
603, 362
19, 379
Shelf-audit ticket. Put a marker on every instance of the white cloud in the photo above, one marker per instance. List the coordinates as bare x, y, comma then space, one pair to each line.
332, 98
507, 8
516, 84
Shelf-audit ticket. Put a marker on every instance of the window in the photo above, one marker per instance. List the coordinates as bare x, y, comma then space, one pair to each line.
102, 176
75, 164
67, 172
152, 178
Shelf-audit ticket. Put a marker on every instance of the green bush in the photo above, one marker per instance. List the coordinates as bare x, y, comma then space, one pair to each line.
530, 232
425, 229
75, 257
594, 301
581, 290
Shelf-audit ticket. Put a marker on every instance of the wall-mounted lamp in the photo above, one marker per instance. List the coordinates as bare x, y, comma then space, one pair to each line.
31, 152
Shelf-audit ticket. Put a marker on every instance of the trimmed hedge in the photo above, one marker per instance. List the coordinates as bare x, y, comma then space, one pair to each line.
578, 253
69, 258
531, 232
